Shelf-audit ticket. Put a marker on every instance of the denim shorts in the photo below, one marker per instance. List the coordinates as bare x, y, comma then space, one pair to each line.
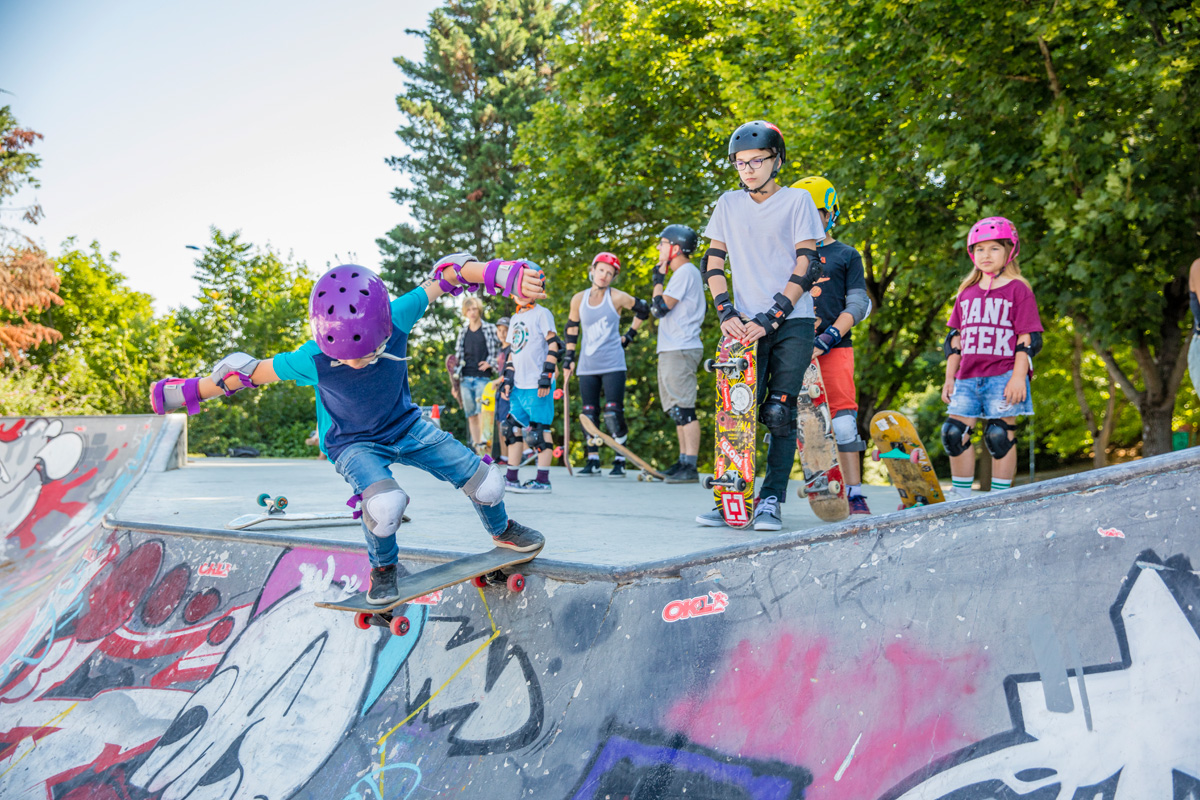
526, 407
984, 398
471, 389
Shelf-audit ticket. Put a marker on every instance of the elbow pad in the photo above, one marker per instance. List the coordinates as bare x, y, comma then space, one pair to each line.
710, 271
858, 305
641, 309
659, 307
1035, 344
948, 345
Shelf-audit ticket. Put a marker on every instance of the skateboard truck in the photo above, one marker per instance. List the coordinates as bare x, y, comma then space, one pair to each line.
734, 366
897, 452
820, 484
730, 480
274, 505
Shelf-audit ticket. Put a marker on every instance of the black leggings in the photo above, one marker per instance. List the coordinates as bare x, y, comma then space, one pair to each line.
613, 385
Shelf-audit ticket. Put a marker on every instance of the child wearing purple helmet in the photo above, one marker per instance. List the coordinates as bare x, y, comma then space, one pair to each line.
366, 417
995, 332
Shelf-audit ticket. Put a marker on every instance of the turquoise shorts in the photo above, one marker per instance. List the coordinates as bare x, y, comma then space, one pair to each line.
527, 408
984, 398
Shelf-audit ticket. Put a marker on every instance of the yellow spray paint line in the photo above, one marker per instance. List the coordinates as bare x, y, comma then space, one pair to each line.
383, 739
33, 740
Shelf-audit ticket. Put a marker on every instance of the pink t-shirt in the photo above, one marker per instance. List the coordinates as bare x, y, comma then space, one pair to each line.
989, 323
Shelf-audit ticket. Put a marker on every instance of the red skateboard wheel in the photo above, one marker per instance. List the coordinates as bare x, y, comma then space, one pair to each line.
875, 454
479, 581
399, 625
516, 582
915, 456
362, 620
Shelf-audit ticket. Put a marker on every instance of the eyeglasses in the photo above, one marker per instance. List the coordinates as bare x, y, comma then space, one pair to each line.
753, 163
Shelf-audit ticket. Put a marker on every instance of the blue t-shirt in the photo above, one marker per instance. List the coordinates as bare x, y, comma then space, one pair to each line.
372, 404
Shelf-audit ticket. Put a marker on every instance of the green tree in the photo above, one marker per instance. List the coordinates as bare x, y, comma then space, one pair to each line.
484, 66
250, 300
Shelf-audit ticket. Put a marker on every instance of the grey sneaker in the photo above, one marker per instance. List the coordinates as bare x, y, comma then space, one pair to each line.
383, 586
711, 519
530, 486
685, 474
766, 514
517, 537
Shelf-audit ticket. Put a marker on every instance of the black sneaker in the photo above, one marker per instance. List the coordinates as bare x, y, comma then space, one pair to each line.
685, 474
671, 470
517, 537
591, 468
618, 469
383, 586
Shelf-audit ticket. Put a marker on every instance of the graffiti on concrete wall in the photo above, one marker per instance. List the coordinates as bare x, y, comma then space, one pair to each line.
1100, 732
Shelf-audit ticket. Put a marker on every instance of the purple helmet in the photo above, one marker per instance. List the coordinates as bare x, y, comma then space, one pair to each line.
990, 228
349, 312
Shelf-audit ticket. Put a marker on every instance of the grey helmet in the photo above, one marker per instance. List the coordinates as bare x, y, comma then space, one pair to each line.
681, 235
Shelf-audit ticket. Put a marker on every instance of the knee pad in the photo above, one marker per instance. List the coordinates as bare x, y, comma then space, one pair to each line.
956, 437
486, 486
383, 504
535, 436
510, 429
995, 437
614, 420
845, 430
778, 416
592, 413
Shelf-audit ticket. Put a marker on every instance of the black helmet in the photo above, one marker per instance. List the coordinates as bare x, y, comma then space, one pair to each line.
681, 235
757, 135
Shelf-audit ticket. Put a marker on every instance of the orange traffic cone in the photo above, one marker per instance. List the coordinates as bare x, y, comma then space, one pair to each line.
435, 415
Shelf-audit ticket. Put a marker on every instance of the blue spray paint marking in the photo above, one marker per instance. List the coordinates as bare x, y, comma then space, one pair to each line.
394, 654
370, 782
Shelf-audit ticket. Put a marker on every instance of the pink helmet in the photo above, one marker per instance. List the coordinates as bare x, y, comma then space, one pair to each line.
606, 258
990, 228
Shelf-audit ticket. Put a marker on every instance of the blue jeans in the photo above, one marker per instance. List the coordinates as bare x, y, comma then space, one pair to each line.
424, 446
471, 389
984, 398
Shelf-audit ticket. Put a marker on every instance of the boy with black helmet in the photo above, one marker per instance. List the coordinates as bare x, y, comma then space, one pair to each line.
841, 304
679, 307
769, 234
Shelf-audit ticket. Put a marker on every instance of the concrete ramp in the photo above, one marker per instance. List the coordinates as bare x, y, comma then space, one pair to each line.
1041, 643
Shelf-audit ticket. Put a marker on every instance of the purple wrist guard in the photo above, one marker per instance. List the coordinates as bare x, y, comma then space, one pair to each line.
465, 285
445, 285
489, 276
503, 277
169, 394
245, 378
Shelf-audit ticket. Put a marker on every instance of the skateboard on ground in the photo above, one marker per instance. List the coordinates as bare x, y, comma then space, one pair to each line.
565, 391
899, 447
487, 417
732, 481
648, 473
817, 447
455, 382
482, 569
275, 513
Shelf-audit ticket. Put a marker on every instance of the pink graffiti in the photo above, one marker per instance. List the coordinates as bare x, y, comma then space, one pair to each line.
712, 603
431, 599
798, 701
215, 569
1112, 533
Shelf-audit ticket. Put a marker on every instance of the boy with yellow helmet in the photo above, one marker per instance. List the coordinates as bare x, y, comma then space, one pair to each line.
842, 302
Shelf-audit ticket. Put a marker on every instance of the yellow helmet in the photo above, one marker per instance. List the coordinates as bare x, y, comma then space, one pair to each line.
823, 195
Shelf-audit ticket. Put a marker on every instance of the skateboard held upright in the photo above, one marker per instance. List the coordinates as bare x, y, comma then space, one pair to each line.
899, 447
481, 569
455, 382
732, 481
565, 391
487, 417
817, 447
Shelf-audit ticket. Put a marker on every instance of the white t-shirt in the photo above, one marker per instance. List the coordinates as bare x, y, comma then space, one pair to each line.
680, 329
761, 240
527, 335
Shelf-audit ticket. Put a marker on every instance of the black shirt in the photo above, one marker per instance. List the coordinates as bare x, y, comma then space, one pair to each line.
843, 272
474, 350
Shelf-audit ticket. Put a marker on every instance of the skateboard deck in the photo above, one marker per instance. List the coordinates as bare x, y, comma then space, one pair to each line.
817, 448
455, 383
899, 447
487, 416
419, 584
647, 472
332, 517
732, 481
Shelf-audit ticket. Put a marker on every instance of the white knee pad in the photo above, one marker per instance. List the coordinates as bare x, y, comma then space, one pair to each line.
486, 486
383, 505
845, 430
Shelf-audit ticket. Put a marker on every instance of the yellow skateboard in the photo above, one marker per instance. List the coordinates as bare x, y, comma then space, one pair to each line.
899, 447
487, 415
732, 482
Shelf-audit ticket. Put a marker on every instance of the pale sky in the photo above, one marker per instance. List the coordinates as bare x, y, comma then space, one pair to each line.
161, 119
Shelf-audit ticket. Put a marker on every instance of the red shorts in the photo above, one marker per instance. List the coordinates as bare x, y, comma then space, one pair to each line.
837, 370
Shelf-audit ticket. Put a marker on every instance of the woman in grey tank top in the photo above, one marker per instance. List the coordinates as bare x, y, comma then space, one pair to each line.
596, 352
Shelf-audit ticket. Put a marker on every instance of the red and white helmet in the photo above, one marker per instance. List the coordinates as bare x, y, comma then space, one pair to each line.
990, 228
606, 258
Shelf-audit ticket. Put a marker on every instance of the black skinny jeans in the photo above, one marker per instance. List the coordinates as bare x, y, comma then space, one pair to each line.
782, 359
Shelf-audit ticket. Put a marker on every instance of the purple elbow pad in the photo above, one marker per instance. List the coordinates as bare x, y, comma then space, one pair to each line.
169, 394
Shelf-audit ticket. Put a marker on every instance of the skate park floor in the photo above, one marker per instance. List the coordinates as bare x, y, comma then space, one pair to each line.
597, 522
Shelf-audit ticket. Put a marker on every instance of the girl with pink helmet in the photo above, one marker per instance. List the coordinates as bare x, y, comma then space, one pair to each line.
994, 333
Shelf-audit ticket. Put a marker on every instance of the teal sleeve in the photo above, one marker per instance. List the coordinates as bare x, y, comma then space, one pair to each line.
298, 365
408, 308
